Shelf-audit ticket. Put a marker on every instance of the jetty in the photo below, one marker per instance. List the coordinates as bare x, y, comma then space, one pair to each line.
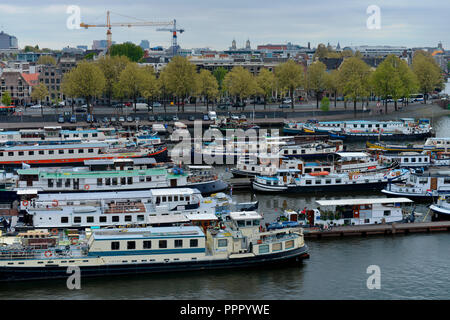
378, 229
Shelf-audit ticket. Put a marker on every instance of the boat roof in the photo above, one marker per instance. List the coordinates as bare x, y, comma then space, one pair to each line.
352, 154
199, 167
343, 202
201, 216
55, 146
153, 232
112, 161
173, 191
245, 215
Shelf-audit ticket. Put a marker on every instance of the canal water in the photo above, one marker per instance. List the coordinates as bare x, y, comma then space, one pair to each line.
412, 266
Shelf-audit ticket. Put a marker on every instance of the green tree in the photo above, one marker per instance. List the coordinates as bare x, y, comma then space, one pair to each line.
68, 87
112, 67
39, 93
207, 85
332, 83
180, 78
427, 71
132, 82
151, 86
28, 49
325, 104
240, 83
290, 76
128, 49
316, 77
47, 60
266, 82
6, 98
321, 52
220, 73
86, 81
354, 77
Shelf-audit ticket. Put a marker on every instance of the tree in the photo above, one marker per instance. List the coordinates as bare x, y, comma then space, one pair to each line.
47, 60
427, 72
28, 49
87, 80
128, 49
68, 87
332, 83
179, 77
321, 52
6, 98
112, 68
290, 76
317, 79
207, 85
239, 83
220, 73
354, 77
132, 82
266, 82
151, 86
39, 93
325, 104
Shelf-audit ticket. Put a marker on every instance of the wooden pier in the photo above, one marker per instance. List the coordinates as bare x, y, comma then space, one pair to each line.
378, 229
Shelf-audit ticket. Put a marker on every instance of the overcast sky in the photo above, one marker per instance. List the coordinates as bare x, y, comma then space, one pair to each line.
214, 24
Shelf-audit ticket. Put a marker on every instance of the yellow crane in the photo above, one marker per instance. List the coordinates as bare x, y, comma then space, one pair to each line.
124, 24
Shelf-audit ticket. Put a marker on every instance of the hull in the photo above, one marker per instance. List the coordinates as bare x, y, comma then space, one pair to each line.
376, 186
440, 214
56, 272
375, 137
421, 197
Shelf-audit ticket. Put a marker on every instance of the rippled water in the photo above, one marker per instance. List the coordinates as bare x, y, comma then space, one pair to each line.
414, 266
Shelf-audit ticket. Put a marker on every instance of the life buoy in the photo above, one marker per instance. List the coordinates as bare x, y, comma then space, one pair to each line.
74, 241
54, 232
355, 177
55, 203
25, 203
48, 254
86, 187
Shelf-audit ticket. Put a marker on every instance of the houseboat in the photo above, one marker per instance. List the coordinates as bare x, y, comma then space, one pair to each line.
406, 128
292, 181
430, 145
70, 154
239, 241
441, 209
154, 207
53, 180
407, 159
421, 185
340, 212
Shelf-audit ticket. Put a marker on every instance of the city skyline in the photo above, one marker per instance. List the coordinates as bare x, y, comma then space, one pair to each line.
215, 24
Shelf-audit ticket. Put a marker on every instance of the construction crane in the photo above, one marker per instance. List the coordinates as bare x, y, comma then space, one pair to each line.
124, 24
174, 31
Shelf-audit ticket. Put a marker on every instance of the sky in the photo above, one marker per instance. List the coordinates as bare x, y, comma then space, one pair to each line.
214, 24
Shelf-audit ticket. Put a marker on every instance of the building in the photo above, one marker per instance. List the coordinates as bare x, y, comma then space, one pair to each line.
51, 76
8, 42
100, 44
145, 44
31, 56
17, 86
379, 51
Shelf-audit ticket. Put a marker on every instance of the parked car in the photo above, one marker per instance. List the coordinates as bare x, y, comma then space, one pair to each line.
205, 117
234, 117
159, 118
137, 119
191, 118
212, 115
168, 118
130, 119
79, 109
61, 119
151, 118
239, 105
156, 105
243, 117
121, 119
36, 106
224, 106
175, 118
284, 105
118, 105
73, 119
113, 119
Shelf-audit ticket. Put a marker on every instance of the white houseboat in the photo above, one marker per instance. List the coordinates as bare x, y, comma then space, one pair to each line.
441, 209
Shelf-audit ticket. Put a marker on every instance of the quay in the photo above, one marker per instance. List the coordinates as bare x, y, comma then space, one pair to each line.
379, 229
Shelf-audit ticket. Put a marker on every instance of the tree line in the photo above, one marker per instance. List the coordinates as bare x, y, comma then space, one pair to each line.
119, 78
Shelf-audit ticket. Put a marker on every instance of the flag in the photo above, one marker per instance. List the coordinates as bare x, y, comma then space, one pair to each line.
25, 166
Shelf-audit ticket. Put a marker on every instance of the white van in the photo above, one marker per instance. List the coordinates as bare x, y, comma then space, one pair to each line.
141, 106
212, 115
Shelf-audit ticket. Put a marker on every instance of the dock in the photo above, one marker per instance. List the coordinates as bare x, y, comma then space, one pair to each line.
240, 183
378, 229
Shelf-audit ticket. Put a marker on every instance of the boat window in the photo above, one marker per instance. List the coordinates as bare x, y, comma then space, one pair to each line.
141, 178
277, 246
193, 243
60, 151
338, 181
140, 217
114, 181
387, 213
328, 181
115, 245
308, 182
162, 244
127, 218
90, 219
77, 220
164, 199
264, 248
318, 181
90, 150
21, 153
80, 151
102, 219
131, 245
241, 223
248, 222
50, 183
222, 243
446, 180
51, 151
289, 244
59, 183
130, 180
115, 219
99, 181
31, 153
64, 219
108, 181
256, 222
40, 152
10, 154
147, 244
178, 243
67, 183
